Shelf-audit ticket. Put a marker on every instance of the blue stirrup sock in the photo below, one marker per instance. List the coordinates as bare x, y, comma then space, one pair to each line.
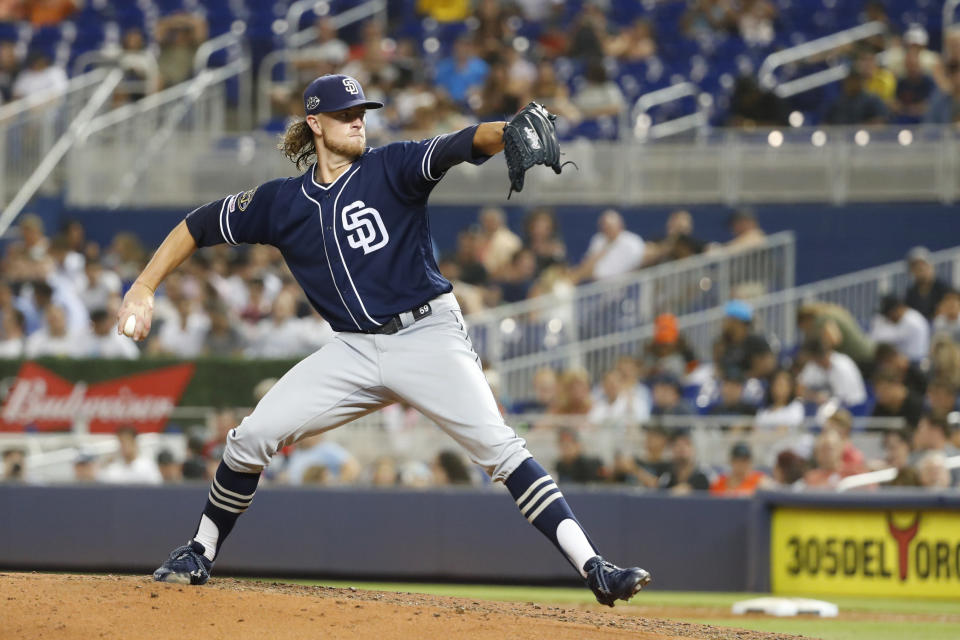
231, 492
541, 502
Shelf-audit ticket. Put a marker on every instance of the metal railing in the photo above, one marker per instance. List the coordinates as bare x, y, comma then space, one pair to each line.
591, 326
642, 125
814, 165
30, 126
949, 14
119, 147
49, 163
50, 456
810, 50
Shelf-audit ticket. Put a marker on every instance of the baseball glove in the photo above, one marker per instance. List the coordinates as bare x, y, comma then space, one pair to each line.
530, 139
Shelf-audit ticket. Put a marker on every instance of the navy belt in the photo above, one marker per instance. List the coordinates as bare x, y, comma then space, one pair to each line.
403, 320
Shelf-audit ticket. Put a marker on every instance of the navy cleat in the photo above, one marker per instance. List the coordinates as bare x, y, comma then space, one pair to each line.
186, 565
610, 583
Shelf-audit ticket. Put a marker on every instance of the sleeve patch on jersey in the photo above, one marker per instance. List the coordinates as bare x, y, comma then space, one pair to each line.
232, 204
245, 198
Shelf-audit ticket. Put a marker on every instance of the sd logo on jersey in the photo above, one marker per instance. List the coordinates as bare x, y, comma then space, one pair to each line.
370, 232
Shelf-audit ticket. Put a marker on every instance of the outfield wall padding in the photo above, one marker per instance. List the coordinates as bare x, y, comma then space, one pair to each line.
457, 534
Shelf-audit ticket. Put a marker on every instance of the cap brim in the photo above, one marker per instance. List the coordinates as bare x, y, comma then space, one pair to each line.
369, 104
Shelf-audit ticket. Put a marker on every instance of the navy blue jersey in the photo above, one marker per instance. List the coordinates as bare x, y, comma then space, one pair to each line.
359, 247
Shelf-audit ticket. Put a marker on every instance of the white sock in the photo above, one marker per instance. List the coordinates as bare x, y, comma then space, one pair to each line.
207, 535
574, 543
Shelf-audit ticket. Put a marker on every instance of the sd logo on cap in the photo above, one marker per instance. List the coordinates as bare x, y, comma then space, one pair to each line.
335, 92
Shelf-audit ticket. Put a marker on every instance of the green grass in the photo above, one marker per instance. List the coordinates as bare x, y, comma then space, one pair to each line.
812, 627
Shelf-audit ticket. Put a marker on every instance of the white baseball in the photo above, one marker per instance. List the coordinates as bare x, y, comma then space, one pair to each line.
130, 326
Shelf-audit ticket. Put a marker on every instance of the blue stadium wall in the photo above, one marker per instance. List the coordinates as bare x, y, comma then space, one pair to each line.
831, 240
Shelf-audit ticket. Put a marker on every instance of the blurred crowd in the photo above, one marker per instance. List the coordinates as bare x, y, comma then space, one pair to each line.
59, 295
487, 58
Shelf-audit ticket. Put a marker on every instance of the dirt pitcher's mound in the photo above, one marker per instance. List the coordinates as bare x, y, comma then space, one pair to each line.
134, 607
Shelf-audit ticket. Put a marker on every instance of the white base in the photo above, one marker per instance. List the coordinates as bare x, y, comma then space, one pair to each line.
785, 607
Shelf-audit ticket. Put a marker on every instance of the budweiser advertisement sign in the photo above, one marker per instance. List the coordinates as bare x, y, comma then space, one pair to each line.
43, 401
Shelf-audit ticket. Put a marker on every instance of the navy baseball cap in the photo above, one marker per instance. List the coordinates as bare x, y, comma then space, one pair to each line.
333, 93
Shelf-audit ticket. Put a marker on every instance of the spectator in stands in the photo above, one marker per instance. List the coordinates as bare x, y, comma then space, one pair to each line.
84, 468
445, 10
753, 106
895, 400
830, 374
125, 256
495, 98
841, 421
545, 385
926, 290
170, 470
99, 288
14, 465
283, 335
668, 352
743, 479
468, 257
933, 471
497, 243
856, 105
9, 68
129, 466
316, 453
912, 44
745, 229
616, 405
573, 394
945, 360
706, 18
543, 238
667, 398
634, 43
915, 88
28, 259
449, 469
731, 395
654, 462
941, 398
42, 13
903, 327
53, 338
613, 250
194, 464
589, 33
679, 241
739, 346
684, 475
224, 338
328, 49
947, 320
599, 96
39, 75
462, 71
944, 106
828, 458
896, 446
789, 468
933, 435
184, 333
637, 392
103, 341
756, 22
179, 35
518, 276
782, 409
887, 357
876, 80
13, 343
384, 472
834, 324
553, 94
574, 465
